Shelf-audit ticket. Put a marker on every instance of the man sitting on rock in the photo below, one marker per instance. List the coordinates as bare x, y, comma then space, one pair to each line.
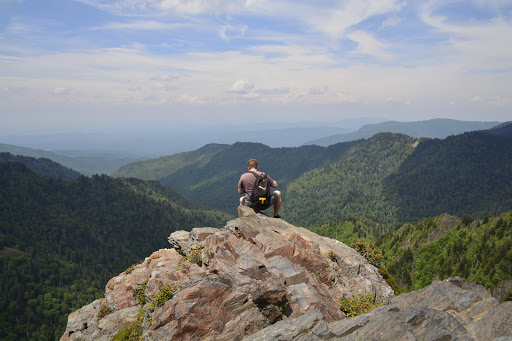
247, 183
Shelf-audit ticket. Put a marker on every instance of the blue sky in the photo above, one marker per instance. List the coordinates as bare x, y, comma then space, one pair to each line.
77, 64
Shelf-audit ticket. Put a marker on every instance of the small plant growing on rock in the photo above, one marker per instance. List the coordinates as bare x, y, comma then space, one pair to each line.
369, 251
139, 293
162, 296
194, 256
134, 331
130, 269
358, 305
332, 255
103, 311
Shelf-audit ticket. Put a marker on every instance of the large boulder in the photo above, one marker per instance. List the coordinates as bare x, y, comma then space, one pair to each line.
230, 283
446, 310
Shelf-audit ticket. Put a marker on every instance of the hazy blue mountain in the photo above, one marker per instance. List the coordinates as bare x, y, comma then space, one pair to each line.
87, 163
41, 166
150, 141
435, 128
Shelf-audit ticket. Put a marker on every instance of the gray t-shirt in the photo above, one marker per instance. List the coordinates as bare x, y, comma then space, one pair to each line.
246, 182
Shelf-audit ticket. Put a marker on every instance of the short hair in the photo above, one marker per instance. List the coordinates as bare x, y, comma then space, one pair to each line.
252, 163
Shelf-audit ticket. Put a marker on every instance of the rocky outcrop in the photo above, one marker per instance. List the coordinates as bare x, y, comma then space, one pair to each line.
260, 278
447, 310
230, 283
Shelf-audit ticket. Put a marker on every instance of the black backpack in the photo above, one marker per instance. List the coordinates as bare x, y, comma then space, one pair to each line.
260, 196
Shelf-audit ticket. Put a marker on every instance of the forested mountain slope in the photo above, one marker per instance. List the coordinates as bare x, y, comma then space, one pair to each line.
156, 169
351, 186
60, 241
504, 129
464, 174
441, 247
210, 174
41, 166
435, 128
388, 179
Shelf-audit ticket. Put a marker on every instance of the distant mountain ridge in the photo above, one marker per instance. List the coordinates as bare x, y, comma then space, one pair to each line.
380, 177
86, 165
504, 129
41, 166
435, 128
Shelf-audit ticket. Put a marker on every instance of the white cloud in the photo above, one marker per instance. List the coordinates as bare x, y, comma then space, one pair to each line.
186, 7
336, 21
367, 44
477, 45
242, 87
390, 22
148, 25
228, 32
207, 6
61, 91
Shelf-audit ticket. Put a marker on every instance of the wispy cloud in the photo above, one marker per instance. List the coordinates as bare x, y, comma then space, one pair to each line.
149, 25
367, 44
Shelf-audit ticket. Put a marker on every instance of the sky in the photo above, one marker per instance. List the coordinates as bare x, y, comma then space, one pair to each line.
71, 65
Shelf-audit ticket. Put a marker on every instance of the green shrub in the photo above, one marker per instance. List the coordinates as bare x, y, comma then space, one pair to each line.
467, 219
162, 296
139, 292
358, 305
130, 269
332, 255
194, 256
104, 311
368, 251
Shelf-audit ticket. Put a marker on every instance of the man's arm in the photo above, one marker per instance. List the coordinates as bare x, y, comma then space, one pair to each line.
274, 184
241, 189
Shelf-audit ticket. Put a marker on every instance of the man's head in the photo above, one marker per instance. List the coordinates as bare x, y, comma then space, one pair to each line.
252, 163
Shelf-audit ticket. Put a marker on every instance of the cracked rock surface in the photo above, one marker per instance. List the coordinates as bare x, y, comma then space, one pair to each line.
252, 274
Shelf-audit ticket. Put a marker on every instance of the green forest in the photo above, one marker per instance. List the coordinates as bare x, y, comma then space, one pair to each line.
42, 166
62, 240
479, 250
213, 182
389, 177
350, 187
436, 209
435, 248
469, 173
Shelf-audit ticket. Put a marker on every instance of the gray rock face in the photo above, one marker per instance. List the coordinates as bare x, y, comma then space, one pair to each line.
448, 310
261, 278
